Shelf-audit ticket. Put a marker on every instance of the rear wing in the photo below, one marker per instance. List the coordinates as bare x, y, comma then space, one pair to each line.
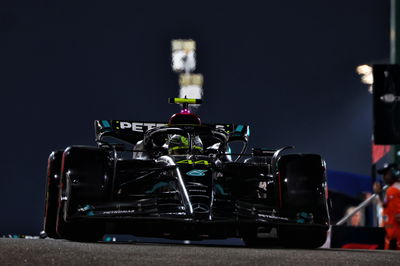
129, 131
133, 131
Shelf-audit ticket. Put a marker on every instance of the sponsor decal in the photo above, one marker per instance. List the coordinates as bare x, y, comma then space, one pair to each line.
194, 162
200, 208
197, 172
136, 126
118, 212
273, 217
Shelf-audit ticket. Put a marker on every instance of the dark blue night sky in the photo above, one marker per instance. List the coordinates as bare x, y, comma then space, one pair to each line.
287, 68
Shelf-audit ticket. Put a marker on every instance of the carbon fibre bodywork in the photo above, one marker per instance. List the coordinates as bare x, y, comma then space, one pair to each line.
189, 196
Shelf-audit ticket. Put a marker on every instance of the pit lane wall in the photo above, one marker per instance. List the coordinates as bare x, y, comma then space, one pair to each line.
347, 190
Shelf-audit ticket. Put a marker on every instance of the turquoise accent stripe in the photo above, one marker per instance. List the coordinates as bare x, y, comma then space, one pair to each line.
157, 186
196, 172
248, 131
220, 189
239, 128
105, 123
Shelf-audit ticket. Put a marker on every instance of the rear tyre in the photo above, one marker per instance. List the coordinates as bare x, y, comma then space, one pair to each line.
85, 180
304, 199
52, 195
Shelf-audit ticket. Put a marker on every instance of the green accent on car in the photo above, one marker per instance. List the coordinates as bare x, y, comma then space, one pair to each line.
197, 172
239, 128
185, 100
105, 123
157, 186
220, 189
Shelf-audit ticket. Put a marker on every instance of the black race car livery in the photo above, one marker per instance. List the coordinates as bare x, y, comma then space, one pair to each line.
181, 180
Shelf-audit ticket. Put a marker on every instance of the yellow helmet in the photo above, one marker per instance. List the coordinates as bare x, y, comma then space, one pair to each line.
180, 145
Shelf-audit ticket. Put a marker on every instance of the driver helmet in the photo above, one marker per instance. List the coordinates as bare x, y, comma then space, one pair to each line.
393, 169
179, 145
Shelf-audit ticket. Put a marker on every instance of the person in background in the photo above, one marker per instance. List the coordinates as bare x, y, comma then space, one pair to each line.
391, 205
357, 219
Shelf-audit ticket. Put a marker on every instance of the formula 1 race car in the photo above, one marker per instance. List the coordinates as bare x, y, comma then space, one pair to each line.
181, 180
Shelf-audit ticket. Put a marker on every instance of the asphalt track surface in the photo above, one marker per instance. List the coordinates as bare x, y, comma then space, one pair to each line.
61, 252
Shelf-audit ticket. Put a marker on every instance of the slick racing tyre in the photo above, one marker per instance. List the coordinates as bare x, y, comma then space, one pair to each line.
52, 195
302, 178
86, 178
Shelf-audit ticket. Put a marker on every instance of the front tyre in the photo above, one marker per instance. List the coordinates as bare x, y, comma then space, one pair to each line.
78, 231
52, 193
86, 178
